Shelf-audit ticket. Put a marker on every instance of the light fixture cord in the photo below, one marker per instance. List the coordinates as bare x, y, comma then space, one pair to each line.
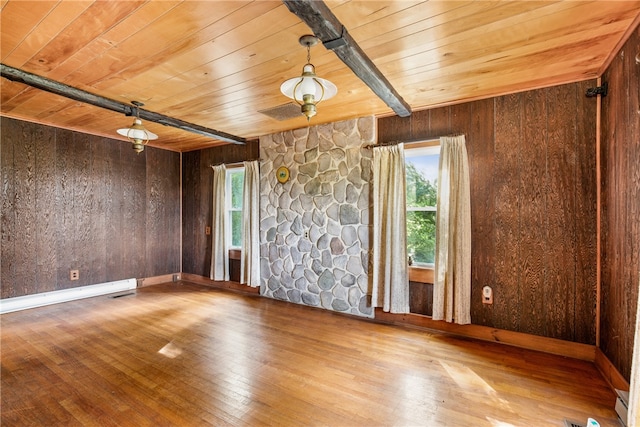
308, 54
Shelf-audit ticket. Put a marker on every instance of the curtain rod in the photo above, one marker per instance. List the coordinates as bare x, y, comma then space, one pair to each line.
412, 141
234, 164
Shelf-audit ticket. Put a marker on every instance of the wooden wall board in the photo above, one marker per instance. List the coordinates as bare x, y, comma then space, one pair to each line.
102, 194
190, 218
513, 216
507, 208
65, 209
82, 204
586, 194
197, 200
80, 155
561, 250
25, 203
134, 206
114, 211
163, 214
481, 168
533, 209
46, 224
620, 244
7, 219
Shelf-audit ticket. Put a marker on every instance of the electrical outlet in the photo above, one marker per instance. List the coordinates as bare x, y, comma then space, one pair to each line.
207, 230
74, 274
487, 295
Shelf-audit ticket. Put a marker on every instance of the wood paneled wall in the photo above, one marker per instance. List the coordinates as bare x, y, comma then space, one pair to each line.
620, 215
533, 194
197, 200
76, 201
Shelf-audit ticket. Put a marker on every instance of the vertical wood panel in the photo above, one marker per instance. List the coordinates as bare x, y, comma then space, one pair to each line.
65, 208
114, 199
560, 254
396, 129
480, 145
197, 200
620, 244
101, 186
421, 298
439, 122
420, 127
533, 210
631, 258
82, 205
507, 146
46, 252
586, 232
205, 208
612, 322
134, 208
190, 196
25, 204
163, 225
507, 206
633, 128
7, 219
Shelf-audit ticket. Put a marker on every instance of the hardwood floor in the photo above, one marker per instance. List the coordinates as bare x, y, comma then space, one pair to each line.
187, 355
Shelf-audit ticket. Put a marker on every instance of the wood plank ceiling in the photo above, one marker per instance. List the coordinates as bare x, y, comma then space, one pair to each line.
219, 63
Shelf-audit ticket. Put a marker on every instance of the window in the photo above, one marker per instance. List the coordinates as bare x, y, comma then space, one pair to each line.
422, 190
235, 183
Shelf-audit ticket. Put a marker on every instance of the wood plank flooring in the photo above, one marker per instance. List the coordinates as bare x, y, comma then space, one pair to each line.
180, 354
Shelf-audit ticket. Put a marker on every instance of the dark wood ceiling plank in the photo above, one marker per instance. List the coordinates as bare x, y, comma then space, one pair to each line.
331, 32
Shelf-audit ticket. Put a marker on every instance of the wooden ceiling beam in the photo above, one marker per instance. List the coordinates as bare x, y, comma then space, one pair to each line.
334, 36
52, 86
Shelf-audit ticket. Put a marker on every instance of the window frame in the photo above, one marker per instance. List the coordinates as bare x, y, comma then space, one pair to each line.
229, 207
422, 272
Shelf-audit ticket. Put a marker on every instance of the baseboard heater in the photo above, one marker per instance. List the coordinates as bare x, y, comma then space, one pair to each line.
9, 305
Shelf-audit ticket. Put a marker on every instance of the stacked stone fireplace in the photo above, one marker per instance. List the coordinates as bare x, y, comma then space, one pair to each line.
314, 228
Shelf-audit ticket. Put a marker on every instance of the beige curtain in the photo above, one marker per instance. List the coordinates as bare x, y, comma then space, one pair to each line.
633, 416
452, 287
390, 281
219, 249
250, 261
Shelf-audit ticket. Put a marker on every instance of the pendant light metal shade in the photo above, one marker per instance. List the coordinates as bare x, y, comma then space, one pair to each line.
309, 83
308, 90
136, 133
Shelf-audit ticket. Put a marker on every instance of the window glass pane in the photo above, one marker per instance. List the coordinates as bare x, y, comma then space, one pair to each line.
422, 180
422, 194
236, 228
237, 181
421, 236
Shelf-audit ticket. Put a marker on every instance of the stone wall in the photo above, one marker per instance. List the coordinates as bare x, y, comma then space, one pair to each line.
314, 229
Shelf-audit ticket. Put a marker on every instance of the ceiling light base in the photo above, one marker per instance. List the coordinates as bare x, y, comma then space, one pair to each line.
308, 40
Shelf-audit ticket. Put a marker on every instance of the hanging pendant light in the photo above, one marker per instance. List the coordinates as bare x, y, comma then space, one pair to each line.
308, 90
136, 133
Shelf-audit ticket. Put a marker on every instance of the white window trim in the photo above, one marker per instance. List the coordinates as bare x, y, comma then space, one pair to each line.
418, 149
227, 200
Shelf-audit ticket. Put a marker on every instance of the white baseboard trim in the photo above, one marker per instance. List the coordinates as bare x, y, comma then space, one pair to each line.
8, 305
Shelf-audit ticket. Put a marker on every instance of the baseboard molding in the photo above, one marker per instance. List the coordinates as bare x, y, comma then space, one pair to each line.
9, 305
516, 339
609, 372
234, 286
156, 280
